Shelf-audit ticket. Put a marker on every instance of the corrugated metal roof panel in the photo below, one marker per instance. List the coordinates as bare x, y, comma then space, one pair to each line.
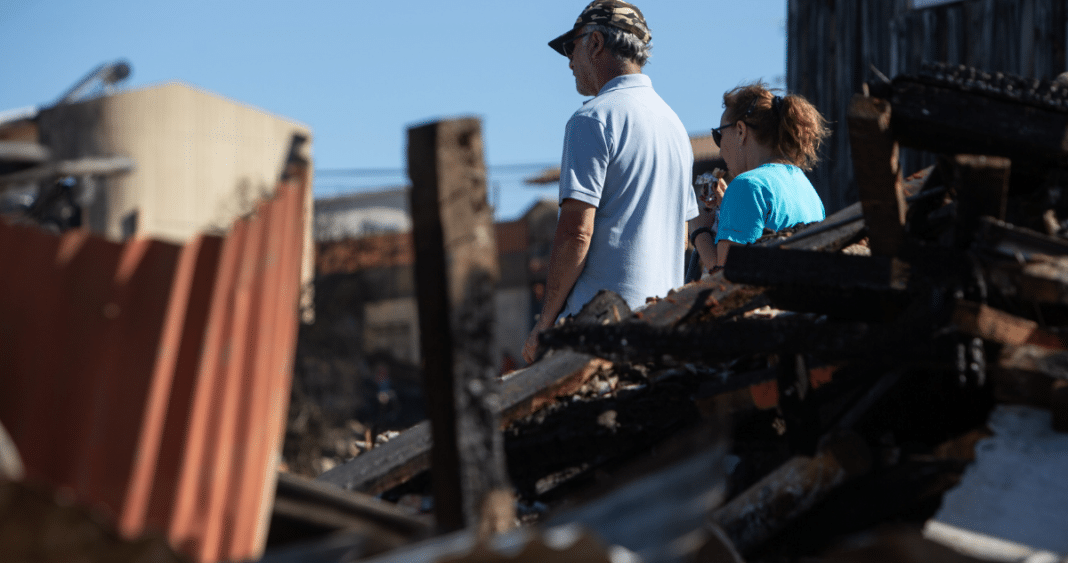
153, 379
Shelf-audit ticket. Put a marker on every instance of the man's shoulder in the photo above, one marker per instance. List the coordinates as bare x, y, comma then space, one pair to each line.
625, 104
598, 108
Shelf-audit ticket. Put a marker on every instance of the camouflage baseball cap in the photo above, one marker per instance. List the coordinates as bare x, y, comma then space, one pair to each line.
615, 13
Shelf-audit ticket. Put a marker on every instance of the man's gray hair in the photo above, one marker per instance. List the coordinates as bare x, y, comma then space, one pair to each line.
623, 45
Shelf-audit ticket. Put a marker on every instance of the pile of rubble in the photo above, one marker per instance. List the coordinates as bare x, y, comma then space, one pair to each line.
885, 383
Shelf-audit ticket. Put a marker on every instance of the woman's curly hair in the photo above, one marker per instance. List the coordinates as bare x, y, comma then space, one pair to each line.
790, 124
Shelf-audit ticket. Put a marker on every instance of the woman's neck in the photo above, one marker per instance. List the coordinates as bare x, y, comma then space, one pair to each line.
759, 155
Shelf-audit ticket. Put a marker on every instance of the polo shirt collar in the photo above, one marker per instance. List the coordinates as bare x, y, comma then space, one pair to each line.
626, 81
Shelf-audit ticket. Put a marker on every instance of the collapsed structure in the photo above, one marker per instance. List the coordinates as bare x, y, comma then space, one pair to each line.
859, 361
900, 364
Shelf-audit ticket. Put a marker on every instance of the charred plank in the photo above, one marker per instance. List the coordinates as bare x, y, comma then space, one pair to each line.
456, 272
1017, 242
720, 341
981, 184
776, 266
566, 442
878, 171
993, 325
789, 492
941, 118
522, 393
1042, 280
305, 510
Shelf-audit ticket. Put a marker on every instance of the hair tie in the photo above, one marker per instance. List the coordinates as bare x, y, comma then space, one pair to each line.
776, 105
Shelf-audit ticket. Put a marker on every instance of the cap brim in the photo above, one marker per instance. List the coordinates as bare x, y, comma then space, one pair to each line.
558, 43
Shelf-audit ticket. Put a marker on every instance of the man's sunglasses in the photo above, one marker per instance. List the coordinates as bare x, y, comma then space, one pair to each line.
569, 45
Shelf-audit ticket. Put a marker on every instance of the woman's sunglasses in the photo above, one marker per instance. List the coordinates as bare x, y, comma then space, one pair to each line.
717, 133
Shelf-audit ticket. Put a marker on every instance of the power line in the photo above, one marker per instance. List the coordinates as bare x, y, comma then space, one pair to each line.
404, 171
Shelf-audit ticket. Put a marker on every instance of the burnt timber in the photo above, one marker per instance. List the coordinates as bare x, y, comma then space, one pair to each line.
858, 373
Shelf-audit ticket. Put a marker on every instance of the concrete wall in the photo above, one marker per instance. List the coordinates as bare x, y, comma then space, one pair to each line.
202, 160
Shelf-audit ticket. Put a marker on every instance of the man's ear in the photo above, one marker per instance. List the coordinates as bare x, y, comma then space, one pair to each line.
596, 40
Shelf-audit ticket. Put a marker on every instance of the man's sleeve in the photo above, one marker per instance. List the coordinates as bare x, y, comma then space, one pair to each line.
692, 210
742, 213
585, 160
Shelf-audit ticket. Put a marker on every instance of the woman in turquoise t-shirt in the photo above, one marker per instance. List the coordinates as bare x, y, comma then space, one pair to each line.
767, 141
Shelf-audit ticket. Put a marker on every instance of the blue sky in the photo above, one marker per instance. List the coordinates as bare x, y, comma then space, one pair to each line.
360, 72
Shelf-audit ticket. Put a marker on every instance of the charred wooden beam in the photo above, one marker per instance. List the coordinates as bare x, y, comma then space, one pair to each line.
878, 171
843, 286
718, 296
652, 510
606, 307
656, 507
698, 301
991, 324
569, 441
720, 341
982, 186
828, 235
456, 272
522, 393
939, 116
1043, 280
305, 510
1017, 242
527, 391
835, 232
789, 492
385, 466
775, 266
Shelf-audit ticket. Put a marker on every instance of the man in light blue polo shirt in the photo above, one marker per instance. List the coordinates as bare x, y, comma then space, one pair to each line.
625, 193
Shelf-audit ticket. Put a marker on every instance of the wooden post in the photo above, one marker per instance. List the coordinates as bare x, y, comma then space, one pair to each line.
982, 187
878, 173
456, 274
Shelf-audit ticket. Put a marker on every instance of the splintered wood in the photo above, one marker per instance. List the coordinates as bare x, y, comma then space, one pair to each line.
857, 382
456, 274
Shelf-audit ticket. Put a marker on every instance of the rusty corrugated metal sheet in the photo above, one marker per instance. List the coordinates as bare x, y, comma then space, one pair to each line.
152, 379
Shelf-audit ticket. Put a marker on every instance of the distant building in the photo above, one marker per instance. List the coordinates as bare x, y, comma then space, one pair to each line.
366, 283
201, 160
362, 214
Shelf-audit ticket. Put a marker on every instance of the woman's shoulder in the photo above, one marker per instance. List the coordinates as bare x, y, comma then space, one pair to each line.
777, 175
766, 175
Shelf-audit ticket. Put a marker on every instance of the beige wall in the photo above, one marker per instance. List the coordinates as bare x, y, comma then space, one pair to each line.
201, 159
